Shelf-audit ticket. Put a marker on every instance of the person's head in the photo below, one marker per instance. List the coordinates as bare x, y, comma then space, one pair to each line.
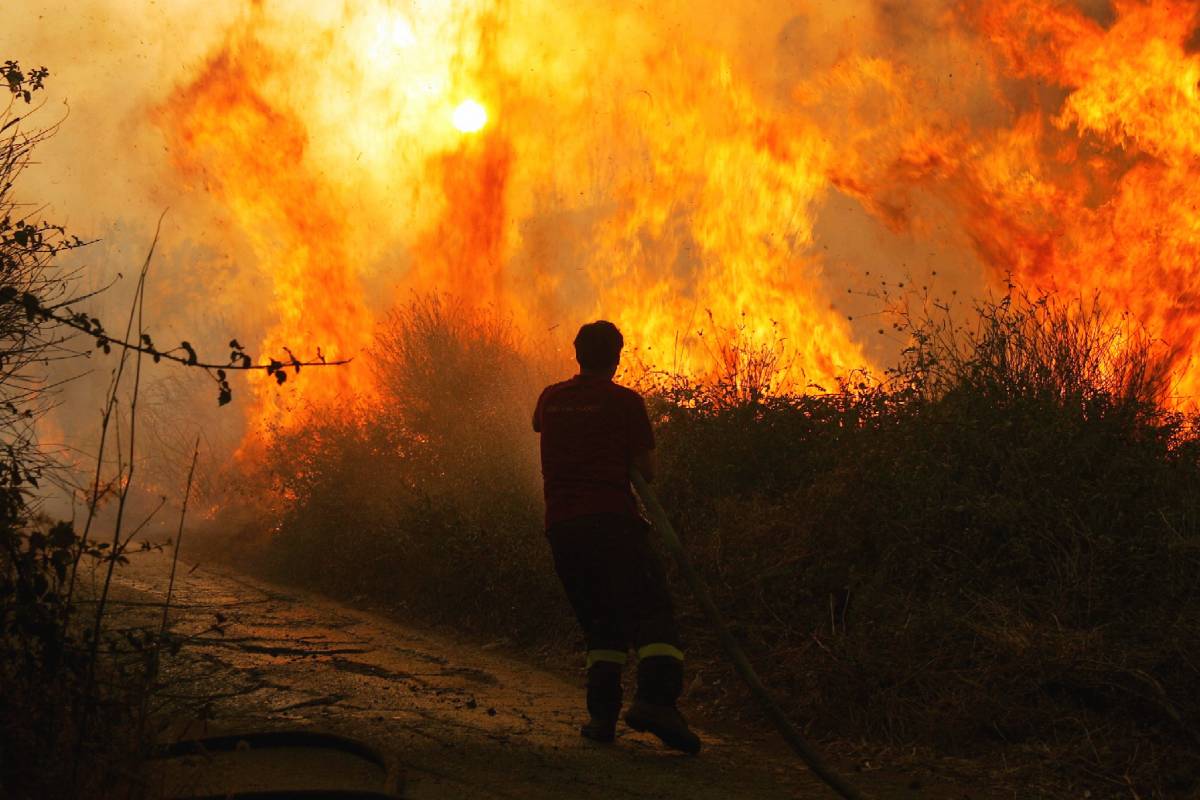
598, 348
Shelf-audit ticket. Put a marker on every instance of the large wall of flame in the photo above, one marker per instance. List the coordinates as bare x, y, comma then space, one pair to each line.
678, 166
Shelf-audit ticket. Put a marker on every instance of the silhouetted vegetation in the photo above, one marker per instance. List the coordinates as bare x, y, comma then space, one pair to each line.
428, 497
77, 706
995, 546
74, 696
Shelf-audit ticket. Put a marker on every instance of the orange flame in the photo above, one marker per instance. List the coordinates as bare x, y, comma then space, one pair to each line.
230, 142
1114, 207
661, 182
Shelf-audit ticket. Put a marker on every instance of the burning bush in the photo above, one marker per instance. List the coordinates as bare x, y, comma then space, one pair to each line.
427, 496
996, 547
457, 379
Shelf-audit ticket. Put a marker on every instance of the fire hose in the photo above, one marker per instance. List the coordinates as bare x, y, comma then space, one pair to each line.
658, 516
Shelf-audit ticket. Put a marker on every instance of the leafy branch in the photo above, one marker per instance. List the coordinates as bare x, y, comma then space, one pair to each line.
23, 83
184, 354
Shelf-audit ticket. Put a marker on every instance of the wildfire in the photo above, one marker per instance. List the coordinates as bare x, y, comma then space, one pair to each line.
1114, 209
666, 182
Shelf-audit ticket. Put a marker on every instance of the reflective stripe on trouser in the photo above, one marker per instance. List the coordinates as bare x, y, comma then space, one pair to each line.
611, 656
645, 651
659, 649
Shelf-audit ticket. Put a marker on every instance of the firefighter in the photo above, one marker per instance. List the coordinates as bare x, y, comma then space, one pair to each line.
592, 432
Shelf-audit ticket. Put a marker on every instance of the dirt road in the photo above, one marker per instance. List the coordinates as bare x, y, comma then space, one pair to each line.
460, 720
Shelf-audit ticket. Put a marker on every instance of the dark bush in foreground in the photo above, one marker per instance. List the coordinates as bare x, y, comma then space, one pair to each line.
73, 716
996, 547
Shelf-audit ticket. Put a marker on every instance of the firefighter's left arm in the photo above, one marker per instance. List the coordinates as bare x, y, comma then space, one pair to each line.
644, 462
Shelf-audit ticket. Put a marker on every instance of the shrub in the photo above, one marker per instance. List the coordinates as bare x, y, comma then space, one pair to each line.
998, 545
427, 497
52, 742
73, 708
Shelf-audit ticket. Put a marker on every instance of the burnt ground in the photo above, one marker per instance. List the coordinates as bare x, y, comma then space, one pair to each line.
459, 719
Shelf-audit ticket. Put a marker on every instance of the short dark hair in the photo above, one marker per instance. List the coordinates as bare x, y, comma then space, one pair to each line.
598, 345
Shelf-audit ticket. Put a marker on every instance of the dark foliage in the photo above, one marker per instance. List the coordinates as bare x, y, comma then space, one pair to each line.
70, 708
73, 719
999, 547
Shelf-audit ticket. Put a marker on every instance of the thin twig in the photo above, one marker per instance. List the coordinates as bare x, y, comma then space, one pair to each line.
135, 312
179, 538
188, 359
110, 406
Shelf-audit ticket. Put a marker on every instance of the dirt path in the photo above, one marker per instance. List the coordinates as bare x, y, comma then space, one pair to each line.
462, 721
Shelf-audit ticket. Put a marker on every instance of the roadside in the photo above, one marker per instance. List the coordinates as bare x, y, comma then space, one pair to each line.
462, 720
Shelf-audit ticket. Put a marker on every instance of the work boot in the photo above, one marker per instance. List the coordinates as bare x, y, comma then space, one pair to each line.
666, 723
659, 680
603, 701
599, 729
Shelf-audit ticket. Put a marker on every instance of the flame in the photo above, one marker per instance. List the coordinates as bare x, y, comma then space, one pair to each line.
1113, 209
469, 116
229, 140
1091, 189
651, 175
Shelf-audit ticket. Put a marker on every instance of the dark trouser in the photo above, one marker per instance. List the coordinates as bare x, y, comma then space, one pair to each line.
616, 585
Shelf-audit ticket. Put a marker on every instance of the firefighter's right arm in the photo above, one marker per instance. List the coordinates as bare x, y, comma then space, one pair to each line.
641, 438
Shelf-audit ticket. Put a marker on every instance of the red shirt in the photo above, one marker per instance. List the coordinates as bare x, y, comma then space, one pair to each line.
590, 428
